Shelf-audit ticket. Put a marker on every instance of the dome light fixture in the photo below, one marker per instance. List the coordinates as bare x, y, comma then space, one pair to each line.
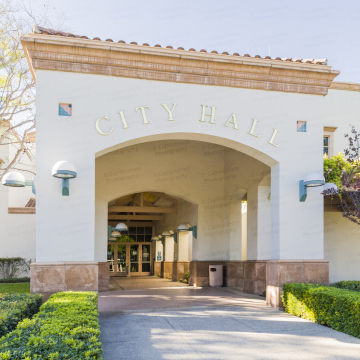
166, 233
331, 188
155, 238
64, 170
112, 238
121, 227
312, 179
186, 228
16, 179
115, 233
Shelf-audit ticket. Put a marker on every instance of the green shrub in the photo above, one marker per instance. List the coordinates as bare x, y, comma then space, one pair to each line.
16, 307
326, 305
348, 285
15, 280
67, 327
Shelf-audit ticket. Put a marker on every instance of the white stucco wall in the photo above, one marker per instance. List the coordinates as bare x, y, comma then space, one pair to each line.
75, 139
342, 247
17, 231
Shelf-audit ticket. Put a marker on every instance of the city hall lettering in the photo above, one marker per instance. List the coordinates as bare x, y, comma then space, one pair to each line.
232, 122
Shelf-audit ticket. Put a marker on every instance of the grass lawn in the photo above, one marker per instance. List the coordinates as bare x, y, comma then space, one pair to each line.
15, 288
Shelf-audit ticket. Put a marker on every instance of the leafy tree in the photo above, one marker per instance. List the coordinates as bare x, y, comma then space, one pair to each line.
344, 171
17, 85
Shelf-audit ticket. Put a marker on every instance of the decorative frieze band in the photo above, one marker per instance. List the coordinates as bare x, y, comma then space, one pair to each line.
132, 61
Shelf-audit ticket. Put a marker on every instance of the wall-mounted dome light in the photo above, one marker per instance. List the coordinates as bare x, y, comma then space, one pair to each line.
112, 238
155, 238
186, 228
121, 227
64, 170
166, 233
312, 179
16, 179
115, 233
331, 188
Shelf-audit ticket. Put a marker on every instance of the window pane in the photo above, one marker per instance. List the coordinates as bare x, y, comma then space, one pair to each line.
121, 261
134, 258
145, 258
326, 150
326, 141
110, 257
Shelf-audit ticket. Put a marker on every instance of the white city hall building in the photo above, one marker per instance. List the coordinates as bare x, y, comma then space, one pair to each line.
153, 160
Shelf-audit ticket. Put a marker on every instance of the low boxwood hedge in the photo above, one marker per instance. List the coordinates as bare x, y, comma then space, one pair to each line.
15, 280
326, 305
66, 327
16, 307
349, 285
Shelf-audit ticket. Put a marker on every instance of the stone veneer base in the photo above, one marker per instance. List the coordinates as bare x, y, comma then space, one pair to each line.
166, 269
179, 269
256, 276
280, 272
52, 277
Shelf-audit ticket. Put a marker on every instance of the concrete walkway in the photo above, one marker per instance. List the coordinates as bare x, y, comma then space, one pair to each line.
179, 322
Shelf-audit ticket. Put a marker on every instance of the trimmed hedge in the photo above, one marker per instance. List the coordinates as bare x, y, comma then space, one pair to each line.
16, 307
15, 280
326, 305
348, 285
67, 327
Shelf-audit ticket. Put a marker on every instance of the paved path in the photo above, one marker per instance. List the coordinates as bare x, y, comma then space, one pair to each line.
204, 323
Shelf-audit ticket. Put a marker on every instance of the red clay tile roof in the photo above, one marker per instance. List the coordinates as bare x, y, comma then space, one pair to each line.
40, 30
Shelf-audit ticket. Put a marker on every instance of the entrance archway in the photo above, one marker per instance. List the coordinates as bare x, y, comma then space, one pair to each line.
206, 179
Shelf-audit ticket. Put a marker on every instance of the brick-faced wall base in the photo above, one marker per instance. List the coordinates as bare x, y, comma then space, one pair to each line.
256, 276
179, 270
52, 277
157, 268
280, 272
233, 272
166, 269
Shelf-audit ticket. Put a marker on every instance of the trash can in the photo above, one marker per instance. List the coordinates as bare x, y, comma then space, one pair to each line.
216, 275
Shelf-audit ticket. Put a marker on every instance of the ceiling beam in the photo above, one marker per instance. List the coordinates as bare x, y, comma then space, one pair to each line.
166, 197
136, 217
132, 223
124, 200
142, 209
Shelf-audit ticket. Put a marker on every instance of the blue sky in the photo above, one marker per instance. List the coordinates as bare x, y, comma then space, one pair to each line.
305, 29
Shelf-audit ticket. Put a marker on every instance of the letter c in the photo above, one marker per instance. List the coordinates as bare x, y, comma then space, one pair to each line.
98, 127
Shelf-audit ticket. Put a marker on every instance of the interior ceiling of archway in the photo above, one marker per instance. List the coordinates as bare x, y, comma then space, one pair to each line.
149, 199
142, 208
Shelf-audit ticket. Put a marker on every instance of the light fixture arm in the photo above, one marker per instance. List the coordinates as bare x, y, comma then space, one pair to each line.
32, 184
65, 187
194, 231
302, 191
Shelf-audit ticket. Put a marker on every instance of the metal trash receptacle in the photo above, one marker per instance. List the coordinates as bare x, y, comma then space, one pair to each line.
216, 275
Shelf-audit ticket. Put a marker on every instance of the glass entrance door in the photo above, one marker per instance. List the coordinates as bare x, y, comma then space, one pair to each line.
121, 259
129, 258
145, 260
134, 259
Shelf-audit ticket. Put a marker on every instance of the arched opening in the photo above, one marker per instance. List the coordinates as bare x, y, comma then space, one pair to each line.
156, 185
150, 243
